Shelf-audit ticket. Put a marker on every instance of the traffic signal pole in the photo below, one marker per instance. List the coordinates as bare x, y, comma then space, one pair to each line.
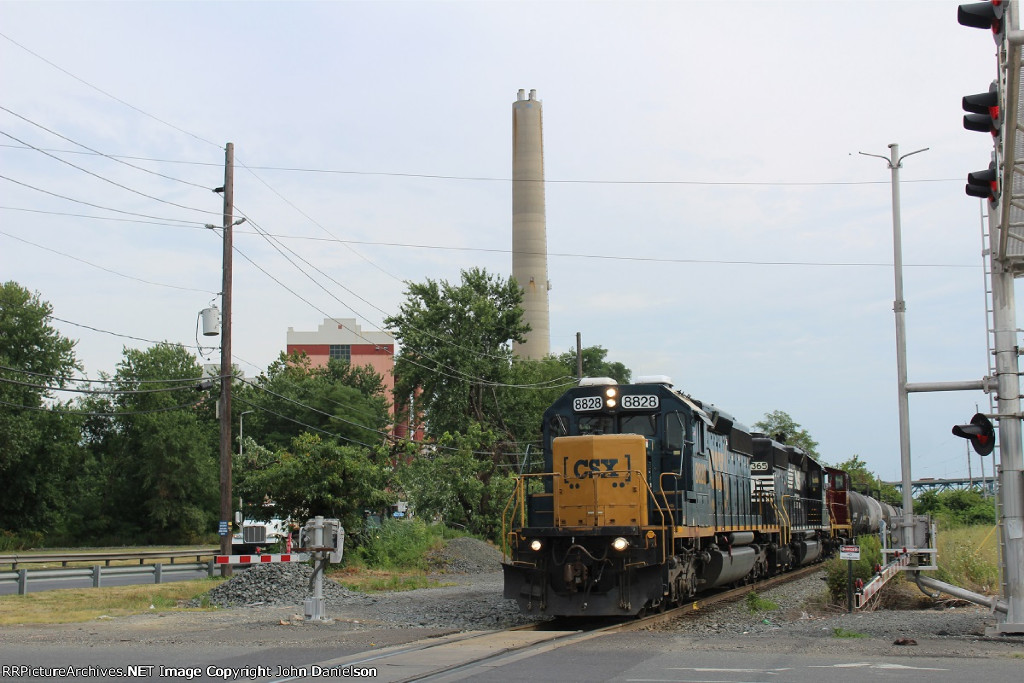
1011, 454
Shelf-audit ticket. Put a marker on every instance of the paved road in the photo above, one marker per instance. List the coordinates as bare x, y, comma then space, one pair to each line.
219, 646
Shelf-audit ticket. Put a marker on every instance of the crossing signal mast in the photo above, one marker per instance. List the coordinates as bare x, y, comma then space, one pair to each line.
999, 113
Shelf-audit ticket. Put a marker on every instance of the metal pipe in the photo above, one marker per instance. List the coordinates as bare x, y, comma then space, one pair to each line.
987, 384
992, 603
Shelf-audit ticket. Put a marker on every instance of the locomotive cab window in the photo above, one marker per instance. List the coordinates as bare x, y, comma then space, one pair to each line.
595, 424
645, 425
676, 435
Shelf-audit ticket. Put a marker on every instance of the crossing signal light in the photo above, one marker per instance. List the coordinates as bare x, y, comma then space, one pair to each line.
984, 15
984, 111
980, 433
984, 184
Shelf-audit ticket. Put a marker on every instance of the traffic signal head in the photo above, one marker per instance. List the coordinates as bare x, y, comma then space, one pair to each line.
984, 15
984, 111
984, 184
980, 433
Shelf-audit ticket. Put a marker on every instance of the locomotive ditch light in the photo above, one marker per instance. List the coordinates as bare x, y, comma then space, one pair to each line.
620, 544
979, 432
536, 545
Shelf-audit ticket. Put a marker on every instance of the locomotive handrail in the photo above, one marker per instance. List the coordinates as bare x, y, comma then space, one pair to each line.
664, 529
518, 497
785, 530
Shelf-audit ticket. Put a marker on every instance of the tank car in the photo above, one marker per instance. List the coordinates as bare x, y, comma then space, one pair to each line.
855, 514
647, 496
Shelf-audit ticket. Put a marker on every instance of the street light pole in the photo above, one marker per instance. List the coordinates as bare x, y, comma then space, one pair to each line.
895, 162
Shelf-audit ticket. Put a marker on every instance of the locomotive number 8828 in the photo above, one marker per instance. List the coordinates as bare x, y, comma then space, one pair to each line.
647, 496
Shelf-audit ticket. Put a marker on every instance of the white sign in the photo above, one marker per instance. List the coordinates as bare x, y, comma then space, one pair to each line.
637, 402
849, 552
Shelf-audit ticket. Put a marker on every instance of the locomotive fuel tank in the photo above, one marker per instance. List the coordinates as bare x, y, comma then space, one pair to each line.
729, 566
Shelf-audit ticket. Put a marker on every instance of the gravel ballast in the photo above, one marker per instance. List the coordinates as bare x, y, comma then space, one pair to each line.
264, 604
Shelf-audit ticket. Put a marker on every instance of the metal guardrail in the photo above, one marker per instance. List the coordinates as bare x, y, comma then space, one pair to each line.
106, 556
97, 572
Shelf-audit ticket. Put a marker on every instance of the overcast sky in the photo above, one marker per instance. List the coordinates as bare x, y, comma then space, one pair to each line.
708, 214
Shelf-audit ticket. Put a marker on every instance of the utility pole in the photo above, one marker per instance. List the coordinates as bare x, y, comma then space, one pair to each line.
225, 362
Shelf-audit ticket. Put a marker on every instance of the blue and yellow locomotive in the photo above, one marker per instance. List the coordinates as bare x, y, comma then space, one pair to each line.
647, 496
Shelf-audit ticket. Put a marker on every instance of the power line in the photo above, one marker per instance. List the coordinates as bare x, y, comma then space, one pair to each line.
95, 206
556, 181
99, 381
112, 182
105, 269
95, 391
51, 409
104, 92
94, 151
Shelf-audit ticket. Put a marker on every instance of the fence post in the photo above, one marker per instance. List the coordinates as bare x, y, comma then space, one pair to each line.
22, 581
158, 570
96, 570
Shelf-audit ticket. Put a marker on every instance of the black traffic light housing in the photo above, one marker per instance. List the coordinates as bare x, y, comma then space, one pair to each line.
984, 15
980, 433
984, 184
984, 111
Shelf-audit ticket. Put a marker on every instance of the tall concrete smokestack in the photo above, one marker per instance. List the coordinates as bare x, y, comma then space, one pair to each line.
529, 229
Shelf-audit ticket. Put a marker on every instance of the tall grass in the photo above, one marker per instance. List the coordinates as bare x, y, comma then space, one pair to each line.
398, 544
968, 557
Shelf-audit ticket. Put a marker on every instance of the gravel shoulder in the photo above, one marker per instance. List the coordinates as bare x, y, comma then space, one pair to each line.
263, 607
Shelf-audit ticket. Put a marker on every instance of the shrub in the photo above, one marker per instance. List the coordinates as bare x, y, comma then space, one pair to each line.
397, 544
836, 570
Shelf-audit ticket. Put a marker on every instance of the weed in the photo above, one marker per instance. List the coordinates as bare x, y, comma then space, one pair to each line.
755, 603
846, 633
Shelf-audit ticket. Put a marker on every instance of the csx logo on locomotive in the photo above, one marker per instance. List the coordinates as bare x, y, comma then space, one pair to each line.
603, 467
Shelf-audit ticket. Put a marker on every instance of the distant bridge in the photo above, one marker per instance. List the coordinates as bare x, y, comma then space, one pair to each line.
919, 486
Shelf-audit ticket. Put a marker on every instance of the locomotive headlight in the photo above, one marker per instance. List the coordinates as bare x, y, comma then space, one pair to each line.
620, 544
536, 545
611, 393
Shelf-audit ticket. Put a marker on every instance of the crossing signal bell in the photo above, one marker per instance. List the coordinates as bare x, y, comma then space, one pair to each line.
984, 15
980, 433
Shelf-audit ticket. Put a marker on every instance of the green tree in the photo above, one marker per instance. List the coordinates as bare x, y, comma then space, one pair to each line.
456, 347
460, 482
313, 477
956, 508
294, 397
160, 453
867, 482
39, 456
781, 427
595, 364
533, 385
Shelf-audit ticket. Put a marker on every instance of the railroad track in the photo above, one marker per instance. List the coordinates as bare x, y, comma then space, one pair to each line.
457, 656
